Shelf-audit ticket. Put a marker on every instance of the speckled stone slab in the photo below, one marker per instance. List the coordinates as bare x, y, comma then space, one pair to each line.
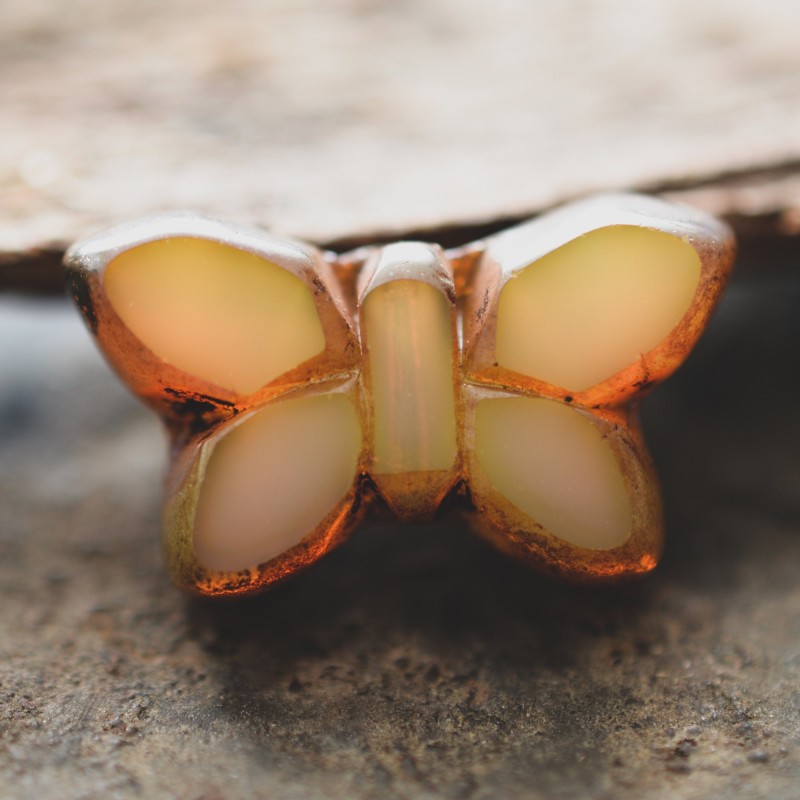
414, 662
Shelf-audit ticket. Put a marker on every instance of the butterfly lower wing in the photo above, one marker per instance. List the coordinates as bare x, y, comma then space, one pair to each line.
266, 494
570, 491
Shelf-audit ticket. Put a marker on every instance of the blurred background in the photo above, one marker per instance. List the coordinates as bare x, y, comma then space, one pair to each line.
414, 662
332, 119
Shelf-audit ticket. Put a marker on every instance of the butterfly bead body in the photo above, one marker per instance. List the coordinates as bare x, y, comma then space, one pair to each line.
301, 389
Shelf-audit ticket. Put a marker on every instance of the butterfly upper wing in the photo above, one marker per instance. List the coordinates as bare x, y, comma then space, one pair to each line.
190, 308
596, 301
570, 318
243, 343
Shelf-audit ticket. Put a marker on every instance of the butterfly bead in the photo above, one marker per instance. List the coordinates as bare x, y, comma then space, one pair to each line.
300, 388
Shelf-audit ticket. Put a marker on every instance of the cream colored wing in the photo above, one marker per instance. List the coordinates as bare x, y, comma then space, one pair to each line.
597, 301
192, 310
266, 493
572, 491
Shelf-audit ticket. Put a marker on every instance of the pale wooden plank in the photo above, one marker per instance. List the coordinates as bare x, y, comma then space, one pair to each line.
331, 120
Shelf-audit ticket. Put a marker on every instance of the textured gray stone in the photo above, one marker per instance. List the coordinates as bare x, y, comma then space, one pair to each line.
414, 662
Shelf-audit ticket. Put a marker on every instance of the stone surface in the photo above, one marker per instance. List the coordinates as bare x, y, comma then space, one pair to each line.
414, 662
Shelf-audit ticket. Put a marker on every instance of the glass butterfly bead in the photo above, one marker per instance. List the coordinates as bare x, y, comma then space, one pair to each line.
300, 389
